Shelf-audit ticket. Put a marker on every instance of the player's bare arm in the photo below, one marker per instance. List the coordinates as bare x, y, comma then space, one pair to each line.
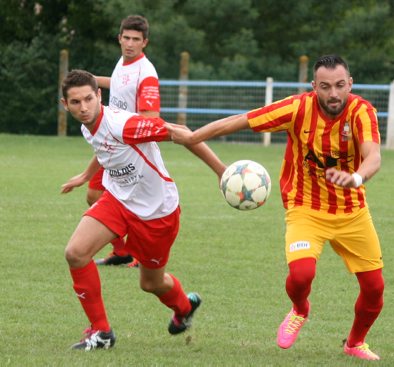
216, 128
81, 178
370, 152
180, 134
103, 81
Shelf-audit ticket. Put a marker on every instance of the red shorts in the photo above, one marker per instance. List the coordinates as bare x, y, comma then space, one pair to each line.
149, 241
95, 182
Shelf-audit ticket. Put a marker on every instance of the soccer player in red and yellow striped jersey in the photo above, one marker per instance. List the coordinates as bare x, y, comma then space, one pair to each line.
317, 142
333, 148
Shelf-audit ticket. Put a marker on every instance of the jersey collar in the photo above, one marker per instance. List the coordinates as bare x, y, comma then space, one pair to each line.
98, 120
134, 60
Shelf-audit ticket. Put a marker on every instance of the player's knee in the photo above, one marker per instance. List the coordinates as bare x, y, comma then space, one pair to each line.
377, 289
70, 255
302, 271
148, 286
372, 283
74, 257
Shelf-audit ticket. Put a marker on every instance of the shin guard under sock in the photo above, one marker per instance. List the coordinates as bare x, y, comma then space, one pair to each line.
368, 305
299, 283
87, 287
176, 299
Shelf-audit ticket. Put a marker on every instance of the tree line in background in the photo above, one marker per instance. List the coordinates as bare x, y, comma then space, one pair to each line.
226, 39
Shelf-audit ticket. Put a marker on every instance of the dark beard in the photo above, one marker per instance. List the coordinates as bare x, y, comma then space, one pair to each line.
332, 112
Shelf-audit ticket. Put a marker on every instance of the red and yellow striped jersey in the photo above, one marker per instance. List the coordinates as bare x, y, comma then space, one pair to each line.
315, 143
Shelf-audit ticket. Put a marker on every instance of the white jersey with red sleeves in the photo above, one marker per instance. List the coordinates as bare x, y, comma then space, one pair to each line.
125, 145
135, 86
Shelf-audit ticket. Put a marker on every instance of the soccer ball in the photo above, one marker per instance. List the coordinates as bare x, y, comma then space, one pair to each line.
245, 185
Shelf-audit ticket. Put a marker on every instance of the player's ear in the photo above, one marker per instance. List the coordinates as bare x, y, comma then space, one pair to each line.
350, 83
64, 103
313, 85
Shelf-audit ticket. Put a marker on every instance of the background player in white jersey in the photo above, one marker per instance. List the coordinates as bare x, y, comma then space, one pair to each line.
134, 87
140, 202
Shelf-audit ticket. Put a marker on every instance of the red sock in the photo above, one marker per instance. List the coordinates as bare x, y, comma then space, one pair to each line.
368, 305
176, 299
118, 245
87, 286
299, 283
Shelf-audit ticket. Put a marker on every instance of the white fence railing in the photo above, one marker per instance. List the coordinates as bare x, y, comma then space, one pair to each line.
197, 102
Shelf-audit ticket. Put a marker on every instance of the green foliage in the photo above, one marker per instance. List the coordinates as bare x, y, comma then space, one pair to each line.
169, 40
29, 86
17, 20
234, 259
377, 53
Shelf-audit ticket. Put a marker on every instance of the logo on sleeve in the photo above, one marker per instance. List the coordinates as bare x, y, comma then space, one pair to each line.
299, 245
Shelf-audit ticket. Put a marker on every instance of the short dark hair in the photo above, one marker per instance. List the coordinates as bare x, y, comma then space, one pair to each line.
78, 78
330, 62
135, 23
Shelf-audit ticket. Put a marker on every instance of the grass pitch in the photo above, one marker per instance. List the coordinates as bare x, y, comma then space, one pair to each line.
234, 259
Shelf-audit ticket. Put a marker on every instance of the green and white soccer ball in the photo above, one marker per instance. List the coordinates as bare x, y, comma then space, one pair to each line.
245, 185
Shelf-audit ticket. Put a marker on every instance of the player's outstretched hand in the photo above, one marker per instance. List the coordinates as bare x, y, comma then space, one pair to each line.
340, 178
73, 182
179, 134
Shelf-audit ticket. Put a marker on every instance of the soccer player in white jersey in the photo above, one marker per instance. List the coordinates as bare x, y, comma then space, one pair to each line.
140, 202
134, 87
